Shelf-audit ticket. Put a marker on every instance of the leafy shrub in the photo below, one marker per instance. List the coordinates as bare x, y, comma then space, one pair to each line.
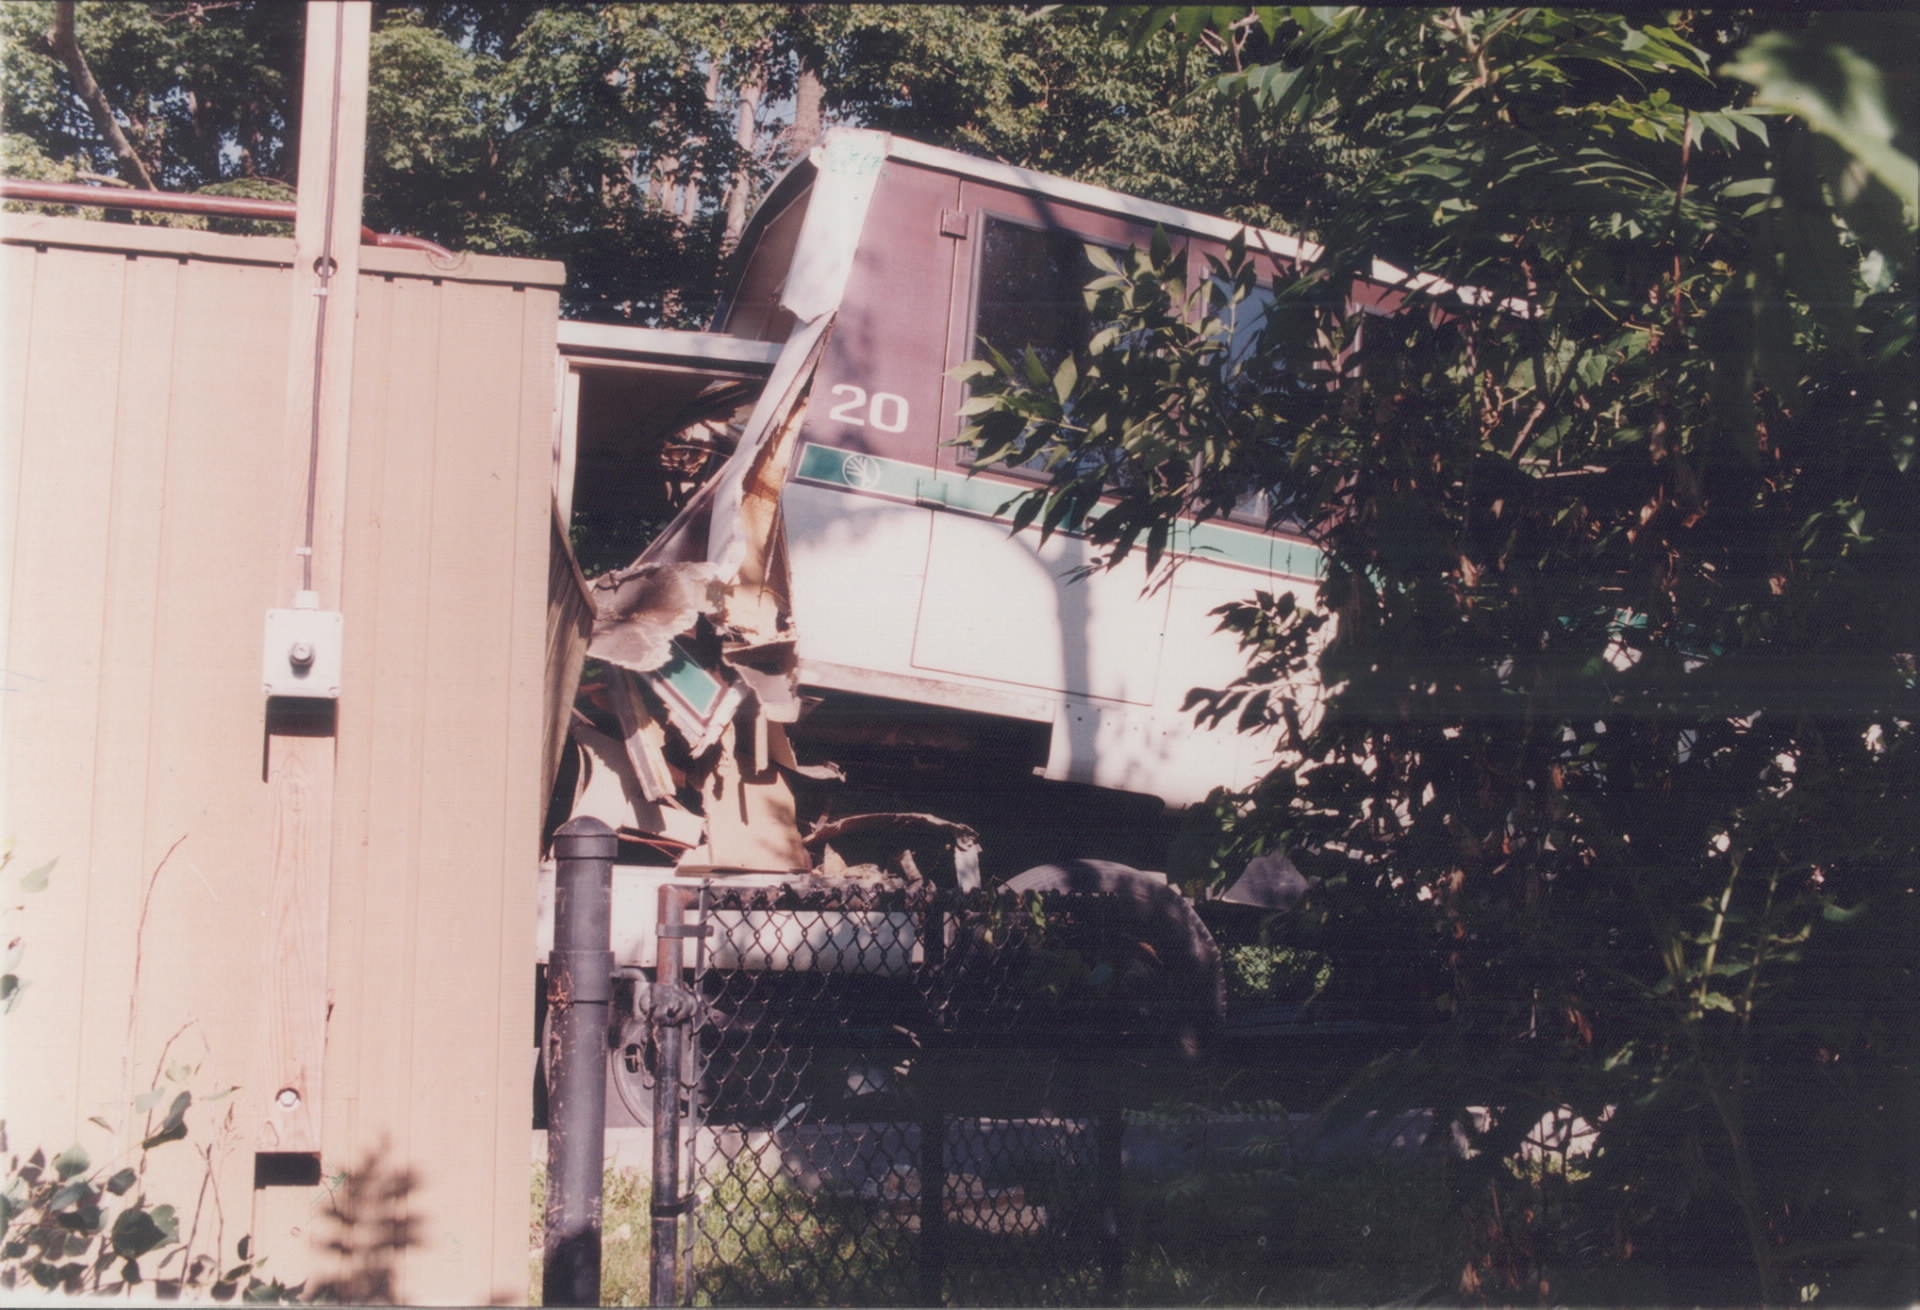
1276, 973
76, 1226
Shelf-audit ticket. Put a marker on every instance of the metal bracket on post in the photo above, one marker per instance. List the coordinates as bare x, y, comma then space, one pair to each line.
670, 1022
579, 1000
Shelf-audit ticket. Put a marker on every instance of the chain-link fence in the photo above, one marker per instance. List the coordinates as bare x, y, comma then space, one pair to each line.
912, 1097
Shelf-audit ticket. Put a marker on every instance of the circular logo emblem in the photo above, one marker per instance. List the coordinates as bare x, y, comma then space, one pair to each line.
861, 471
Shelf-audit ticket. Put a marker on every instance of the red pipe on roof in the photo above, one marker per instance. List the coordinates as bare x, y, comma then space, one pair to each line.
179, 202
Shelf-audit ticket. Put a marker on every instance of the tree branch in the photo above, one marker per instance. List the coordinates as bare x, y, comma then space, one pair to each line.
66, 44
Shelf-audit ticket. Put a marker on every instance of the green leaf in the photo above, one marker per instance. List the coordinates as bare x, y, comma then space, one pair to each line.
1064, 379
1027, 506
73, 1160
120, 1182
1190, 20
70, 1197
1830, 76
138, 1230
1721, 126
1752, 123
174, 1126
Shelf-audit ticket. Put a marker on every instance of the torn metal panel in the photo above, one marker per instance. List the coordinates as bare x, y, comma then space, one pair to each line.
644, 737
915, 845
847, 167
607, 789
758, 601
640, 609
752, 821
772, 421
570, 616
610, 791
780, 750
646, 612
773, 690
723, 558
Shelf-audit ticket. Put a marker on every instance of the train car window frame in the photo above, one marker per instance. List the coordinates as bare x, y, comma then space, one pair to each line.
976, 280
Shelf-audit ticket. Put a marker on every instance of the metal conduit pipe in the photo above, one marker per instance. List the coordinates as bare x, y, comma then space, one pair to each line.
178, 202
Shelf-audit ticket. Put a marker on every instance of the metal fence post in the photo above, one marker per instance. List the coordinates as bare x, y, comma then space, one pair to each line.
579, 992
933, 1136
1108, 1129
670, 1016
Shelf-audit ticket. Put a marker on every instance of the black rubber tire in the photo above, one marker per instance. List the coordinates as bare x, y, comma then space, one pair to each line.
1165, 920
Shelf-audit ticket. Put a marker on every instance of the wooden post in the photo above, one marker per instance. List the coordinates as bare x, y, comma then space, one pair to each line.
300, 734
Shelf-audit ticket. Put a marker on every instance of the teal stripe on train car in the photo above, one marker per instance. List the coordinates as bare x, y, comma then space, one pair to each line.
899, 480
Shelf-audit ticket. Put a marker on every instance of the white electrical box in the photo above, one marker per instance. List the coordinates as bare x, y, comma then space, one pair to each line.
301, 654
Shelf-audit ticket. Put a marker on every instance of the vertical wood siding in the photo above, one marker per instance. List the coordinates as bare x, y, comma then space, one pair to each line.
145, 385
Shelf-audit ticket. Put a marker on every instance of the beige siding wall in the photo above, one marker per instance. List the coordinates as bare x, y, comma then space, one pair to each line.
145, 401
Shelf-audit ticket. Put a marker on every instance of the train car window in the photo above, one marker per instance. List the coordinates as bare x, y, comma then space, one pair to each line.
1031, 296
1032, 291
1249, 317
1252, 508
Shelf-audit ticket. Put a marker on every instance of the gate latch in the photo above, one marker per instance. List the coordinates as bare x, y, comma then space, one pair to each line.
664, 1003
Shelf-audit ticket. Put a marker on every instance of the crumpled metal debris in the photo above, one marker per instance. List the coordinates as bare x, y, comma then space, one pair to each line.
719, 570
916, 846
640, 609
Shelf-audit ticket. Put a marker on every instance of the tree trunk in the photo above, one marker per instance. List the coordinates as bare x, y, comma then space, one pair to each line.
746, 136
809, 106
691, 197
66, 44
660, 183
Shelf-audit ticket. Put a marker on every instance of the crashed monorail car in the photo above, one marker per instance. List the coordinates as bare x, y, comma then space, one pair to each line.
837, 620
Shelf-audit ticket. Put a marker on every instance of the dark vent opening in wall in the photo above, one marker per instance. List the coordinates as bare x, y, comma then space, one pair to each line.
286, 1169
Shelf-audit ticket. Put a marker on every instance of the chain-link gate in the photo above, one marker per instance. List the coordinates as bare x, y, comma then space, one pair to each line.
893, 1096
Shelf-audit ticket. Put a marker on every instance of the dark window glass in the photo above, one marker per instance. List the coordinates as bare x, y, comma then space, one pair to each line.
1033, 292
1249, 317
1032, 295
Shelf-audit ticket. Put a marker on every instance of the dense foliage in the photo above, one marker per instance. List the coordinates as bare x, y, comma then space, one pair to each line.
629, 140
1615, 665
1613, 692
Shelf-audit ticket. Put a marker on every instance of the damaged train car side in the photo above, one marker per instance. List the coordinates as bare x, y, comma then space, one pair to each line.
837, 637
865, 573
